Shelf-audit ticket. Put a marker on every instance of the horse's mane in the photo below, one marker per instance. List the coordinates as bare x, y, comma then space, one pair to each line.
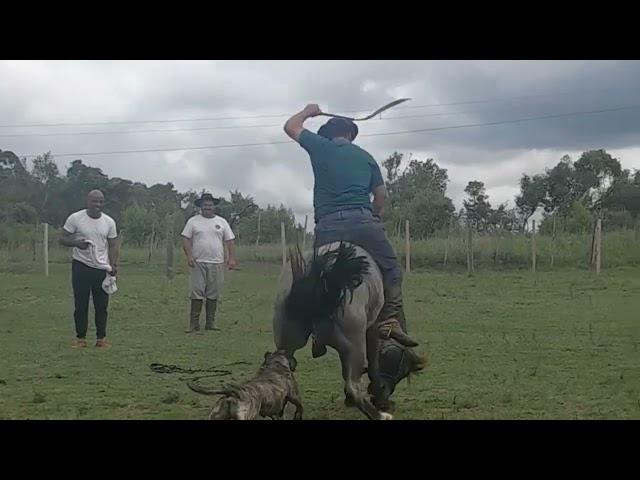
320, 286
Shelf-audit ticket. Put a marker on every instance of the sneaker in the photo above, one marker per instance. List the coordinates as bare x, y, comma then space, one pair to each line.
79, 343
211, 327
103, 343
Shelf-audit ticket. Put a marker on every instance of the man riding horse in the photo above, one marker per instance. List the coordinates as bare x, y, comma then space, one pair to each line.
345, 177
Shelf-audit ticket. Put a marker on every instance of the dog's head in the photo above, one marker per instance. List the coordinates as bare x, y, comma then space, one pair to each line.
279, 358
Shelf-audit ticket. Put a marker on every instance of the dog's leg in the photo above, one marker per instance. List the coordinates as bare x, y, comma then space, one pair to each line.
295, 400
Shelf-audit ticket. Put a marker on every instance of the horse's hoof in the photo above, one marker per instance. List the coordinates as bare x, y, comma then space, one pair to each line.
389, 406
385, 416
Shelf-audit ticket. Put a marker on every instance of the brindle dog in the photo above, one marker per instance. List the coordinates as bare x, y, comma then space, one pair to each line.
265, 395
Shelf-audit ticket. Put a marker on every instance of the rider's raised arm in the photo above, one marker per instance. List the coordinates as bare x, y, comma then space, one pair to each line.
294, 126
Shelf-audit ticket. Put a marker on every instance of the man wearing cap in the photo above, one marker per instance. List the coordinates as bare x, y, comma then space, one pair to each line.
345, 177
203, 240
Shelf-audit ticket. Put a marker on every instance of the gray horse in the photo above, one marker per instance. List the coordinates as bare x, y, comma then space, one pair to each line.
336, 293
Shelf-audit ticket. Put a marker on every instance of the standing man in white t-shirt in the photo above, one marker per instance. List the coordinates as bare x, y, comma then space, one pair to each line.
203, 240
93, 236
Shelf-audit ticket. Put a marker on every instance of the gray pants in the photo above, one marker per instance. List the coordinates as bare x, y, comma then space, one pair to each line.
206, 281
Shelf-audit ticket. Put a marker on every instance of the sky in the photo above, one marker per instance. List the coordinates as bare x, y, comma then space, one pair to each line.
214, 103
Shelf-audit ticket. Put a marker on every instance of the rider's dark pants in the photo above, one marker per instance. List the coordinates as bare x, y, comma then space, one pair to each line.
360, 227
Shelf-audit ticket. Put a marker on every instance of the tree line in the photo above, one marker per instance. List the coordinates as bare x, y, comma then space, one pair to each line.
569, 195
36, 192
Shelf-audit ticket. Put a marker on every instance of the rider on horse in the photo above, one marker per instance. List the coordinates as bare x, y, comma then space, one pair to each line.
345, 177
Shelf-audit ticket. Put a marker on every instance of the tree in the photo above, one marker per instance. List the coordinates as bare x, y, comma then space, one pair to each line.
417, 194
47, 194
477, 207
81, 179
392, 165
623, 194
593, 173
585, 181
560, 187
533, 193
429, 212
137, 222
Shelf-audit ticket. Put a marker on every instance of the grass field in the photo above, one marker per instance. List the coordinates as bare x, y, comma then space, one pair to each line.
510, 345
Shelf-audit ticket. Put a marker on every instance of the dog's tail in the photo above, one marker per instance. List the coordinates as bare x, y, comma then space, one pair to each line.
319, 288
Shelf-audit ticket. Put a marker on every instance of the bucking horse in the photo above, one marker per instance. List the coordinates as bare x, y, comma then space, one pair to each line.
336, 294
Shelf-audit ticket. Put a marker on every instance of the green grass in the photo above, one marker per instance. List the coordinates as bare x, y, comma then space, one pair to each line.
557, 345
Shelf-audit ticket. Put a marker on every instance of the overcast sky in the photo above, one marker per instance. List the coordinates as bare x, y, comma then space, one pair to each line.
45, 92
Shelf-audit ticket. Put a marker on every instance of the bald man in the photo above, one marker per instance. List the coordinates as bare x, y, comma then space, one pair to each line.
93, 237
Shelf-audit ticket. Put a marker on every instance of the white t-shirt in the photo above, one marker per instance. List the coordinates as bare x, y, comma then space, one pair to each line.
96, 230
207, 236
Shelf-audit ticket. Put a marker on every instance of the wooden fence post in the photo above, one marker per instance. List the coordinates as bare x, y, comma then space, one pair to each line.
592, 262
553, 242
304, 233
284, 244
533, 246
446, 245
469, 249
169, 270
407, 240
598, 245
258, 236
34, 245
45, 248
152, 238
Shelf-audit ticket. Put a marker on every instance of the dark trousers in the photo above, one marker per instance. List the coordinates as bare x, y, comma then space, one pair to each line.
88, 281
360, 227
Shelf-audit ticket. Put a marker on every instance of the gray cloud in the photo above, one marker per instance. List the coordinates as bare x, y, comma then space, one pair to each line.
85, 91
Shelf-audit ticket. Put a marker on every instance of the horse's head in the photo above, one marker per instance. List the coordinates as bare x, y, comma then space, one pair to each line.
396, 362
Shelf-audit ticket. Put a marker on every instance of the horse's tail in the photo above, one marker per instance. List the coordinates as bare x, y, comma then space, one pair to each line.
320, 286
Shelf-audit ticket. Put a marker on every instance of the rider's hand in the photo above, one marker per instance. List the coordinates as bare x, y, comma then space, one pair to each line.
312, 110
191, 262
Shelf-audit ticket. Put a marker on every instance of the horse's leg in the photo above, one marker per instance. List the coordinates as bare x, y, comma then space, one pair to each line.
373, 353
352, 357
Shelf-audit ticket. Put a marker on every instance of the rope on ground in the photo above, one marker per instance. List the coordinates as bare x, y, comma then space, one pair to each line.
217, 370
192, 383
